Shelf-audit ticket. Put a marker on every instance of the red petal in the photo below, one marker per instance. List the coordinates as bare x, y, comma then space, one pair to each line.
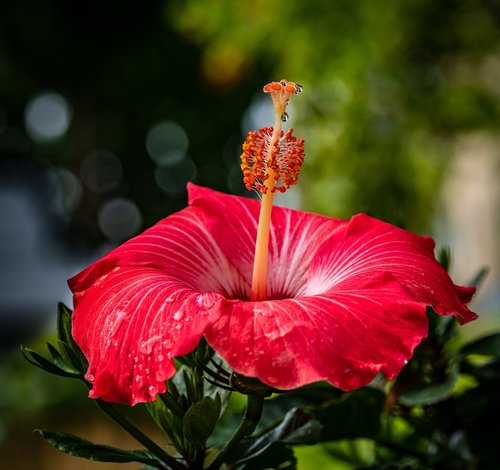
177, 257
294, 238
131, 323
367, 247
362, 296
179, 245
346, 336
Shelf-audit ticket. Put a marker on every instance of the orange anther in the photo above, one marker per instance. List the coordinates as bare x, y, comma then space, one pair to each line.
276, 86
290, 88
284, 157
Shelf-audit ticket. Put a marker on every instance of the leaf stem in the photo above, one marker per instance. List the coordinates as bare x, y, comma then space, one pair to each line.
253, 413
139, 436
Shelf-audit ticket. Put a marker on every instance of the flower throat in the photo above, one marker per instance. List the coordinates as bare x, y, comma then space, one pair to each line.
271, 161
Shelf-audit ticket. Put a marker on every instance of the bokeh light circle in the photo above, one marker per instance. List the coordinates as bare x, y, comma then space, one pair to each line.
119, 219
47, 117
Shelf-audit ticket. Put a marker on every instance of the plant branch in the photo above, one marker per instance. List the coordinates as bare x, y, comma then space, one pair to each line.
139, 436
252, 416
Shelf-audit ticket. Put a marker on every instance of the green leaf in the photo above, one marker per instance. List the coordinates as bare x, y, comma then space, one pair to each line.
78, 447
297, 427
200, 420
59, 360
444, 257
70, 351
76, 359
64, 324
478, 279
429, 394
354, 414
39, 361
307, 397
169, 422
277, 455
485, 346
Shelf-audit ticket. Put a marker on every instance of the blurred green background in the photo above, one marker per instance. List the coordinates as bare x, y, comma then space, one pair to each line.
107, 109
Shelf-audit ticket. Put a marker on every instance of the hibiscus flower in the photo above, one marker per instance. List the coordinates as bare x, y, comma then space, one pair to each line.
344, 300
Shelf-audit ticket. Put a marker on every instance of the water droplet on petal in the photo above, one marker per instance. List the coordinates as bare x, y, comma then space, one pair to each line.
178, 315
261, 312
138, 380
90, 377
405, 361
167, 344
272, 380
284, 117
246, 364
204, 302
178, 326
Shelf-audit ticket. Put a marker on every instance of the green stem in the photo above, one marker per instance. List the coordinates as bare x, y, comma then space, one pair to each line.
140, 437
252, 416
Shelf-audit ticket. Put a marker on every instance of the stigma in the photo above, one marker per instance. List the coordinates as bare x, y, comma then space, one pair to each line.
271, 158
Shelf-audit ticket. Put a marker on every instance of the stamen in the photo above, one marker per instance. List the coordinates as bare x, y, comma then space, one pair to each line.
271, 161
260, 154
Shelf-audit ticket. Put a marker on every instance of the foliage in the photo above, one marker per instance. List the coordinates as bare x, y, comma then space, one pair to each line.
436, 414
388, 89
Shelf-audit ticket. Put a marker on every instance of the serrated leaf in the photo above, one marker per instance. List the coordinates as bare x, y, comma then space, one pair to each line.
200, 420
78, 447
